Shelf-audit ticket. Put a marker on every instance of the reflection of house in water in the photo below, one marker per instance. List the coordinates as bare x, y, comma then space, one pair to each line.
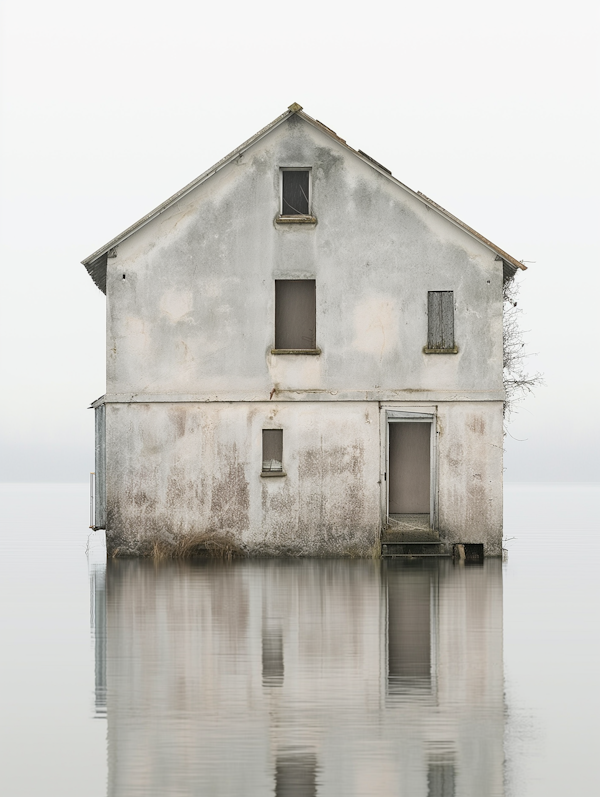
97, 572
305, 678
411, 627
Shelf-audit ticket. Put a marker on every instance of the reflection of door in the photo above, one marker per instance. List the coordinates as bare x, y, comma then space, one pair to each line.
409, 626
409, 472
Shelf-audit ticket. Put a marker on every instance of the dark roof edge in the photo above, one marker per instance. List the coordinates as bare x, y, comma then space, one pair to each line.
97, 271
97, 402
502, 255
508, 270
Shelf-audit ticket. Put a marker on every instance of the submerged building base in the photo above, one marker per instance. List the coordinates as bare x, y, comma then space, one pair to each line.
336, 478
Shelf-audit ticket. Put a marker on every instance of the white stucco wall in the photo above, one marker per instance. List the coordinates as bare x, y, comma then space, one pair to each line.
469, 473
195, 312
182, 468
197, 468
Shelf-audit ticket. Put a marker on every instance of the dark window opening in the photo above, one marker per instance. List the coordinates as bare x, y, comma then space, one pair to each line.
296, 775
272, 453
272, 657
440, 315
441, 778
295, 314
295, 193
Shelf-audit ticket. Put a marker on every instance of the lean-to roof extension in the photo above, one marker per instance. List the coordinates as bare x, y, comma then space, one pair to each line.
96, 263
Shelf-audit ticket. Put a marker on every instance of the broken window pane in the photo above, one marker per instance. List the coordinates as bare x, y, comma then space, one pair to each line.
295, 190
295, 314
272, 440
440, 313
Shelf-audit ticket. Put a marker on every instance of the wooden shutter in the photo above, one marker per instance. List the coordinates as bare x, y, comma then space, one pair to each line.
295, 314
440, 313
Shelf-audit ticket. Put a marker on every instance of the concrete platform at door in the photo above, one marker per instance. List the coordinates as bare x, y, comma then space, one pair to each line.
411, 536
410, 528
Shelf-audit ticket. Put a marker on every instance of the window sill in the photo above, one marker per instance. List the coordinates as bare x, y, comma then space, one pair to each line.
296, 351
295, 219
267, 474
453, 350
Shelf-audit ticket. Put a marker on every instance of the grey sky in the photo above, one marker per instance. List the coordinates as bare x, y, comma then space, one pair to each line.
108, 109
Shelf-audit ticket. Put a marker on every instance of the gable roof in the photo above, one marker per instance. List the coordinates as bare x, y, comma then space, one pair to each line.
96, 263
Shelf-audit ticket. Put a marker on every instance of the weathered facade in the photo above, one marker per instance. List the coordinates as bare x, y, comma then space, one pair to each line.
300, 351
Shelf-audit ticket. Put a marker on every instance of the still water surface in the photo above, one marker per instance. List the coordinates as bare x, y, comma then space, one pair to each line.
299, 678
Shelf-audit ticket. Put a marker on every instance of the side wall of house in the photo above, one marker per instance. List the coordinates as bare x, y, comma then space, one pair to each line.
100, 467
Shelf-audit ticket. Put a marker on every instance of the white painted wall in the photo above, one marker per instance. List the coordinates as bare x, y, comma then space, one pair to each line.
187, 467
195, 312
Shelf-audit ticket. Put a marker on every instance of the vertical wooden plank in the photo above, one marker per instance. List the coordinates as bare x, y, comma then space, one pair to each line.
447, 319
434, 317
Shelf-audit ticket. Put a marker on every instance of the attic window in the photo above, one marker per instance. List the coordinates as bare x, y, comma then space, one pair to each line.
295, 205
440, 323
295, 192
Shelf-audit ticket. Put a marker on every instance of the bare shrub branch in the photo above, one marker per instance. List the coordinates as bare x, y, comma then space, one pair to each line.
518, 382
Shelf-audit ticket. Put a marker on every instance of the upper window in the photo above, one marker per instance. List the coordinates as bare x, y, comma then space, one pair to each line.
295, 192
295, 317
440, 323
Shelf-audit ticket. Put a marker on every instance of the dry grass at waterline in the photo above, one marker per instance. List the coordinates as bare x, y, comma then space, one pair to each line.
208, 545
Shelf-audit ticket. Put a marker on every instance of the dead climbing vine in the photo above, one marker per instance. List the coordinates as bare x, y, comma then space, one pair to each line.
518, 381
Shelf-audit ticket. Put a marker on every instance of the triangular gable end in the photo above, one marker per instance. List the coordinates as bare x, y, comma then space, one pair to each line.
96, 263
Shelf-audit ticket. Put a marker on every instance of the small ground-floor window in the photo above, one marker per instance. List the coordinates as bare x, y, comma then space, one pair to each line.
272, 451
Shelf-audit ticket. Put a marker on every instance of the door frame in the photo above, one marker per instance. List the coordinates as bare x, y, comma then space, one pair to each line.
416, 415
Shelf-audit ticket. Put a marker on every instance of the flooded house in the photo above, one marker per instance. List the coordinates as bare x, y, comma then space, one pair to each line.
304, 356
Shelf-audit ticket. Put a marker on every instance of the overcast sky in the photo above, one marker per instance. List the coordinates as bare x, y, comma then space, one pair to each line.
107, 109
